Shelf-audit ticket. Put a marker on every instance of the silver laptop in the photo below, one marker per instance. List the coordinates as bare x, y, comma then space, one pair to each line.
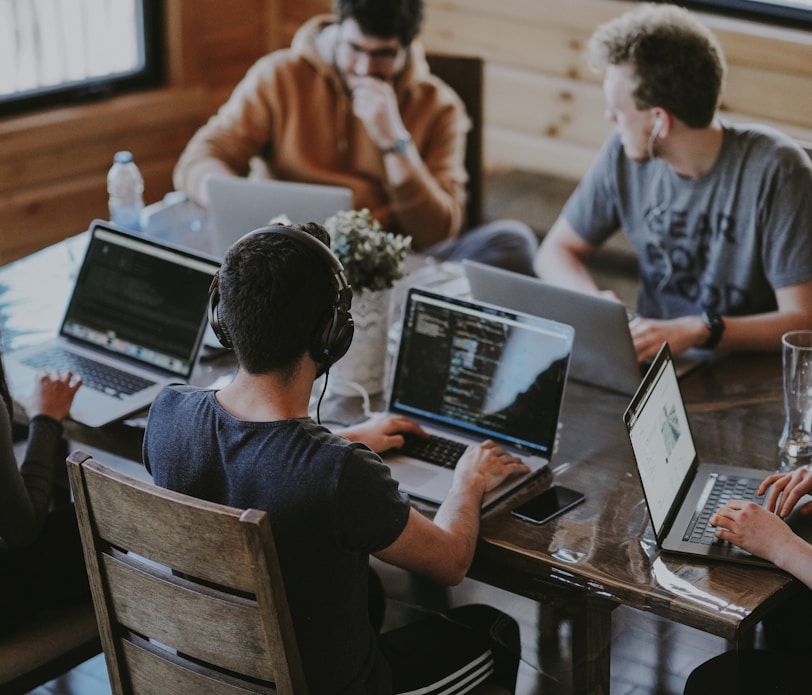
133, 324
240, 205
603, 354
469, 372
681, 493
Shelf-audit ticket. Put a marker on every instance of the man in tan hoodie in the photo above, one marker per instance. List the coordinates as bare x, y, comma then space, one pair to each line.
352, 103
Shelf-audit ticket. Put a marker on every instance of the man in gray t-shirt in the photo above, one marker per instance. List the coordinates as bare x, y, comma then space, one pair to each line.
719, 215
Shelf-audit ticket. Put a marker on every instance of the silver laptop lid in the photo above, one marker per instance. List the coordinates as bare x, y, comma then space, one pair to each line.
239, 205
482, 369
603, 354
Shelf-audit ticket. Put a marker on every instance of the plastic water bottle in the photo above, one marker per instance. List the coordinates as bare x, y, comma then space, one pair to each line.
125, 187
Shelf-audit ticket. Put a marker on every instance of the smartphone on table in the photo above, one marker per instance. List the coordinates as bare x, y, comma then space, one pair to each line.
549, 504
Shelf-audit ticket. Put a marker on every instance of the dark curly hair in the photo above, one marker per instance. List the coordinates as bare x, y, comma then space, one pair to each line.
383, 18
274, 292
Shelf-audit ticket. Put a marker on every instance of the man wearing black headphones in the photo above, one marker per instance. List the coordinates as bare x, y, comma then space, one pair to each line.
281, 301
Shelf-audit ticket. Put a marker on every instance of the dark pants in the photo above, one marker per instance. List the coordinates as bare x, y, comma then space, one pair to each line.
440, 652
750, 672
48, 574
507, 244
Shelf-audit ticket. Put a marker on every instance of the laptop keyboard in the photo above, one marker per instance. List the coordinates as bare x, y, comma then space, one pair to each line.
96, 375
725, 488
438, 450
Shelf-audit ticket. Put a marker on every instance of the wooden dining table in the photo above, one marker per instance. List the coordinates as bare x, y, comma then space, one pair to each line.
601, 554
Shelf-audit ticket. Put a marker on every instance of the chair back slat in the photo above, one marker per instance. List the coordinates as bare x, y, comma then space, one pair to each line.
206, 624
177, 676
192, 545
186, 592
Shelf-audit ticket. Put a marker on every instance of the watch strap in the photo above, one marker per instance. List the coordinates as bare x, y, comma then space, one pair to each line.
399, 146
716, 325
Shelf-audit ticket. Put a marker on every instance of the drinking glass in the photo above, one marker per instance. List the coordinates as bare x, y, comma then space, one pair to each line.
795, 445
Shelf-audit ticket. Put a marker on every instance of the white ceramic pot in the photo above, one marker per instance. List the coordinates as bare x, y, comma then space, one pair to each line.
364, 364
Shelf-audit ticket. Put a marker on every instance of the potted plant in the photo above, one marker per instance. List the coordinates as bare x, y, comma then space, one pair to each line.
373, 260
371, 256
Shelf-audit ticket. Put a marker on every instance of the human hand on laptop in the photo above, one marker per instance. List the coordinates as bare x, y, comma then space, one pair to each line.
53, 394
786, 489
489, 461
382, 432
756, 529
681, 334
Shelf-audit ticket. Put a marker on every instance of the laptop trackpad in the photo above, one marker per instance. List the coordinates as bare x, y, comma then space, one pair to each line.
413, 477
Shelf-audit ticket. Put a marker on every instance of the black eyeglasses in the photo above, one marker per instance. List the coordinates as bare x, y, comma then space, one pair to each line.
385, 58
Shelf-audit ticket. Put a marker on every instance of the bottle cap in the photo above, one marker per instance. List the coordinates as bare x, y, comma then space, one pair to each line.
123, 157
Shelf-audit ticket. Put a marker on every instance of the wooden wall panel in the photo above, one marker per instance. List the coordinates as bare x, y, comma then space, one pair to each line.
54, 185
551, 106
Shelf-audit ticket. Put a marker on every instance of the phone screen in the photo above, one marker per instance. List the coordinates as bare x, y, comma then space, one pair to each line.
549, 504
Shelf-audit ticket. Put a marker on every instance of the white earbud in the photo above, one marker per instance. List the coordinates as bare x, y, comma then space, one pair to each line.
658, 126
655, 131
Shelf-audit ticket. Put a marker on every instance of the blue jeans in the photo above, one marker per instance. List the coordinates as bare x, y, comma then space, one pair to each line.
508, 244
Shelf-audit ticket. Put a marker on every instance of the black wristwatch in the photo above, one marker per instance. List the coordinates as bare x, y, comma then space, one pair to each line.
716, 326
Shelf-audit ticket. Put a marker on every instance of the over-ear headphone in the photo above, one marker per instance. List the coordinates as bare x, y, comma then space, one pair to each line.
333, 335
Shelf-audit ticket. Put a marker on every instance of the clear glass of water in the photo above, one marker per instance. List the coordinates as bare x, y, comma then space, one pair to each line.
795, 444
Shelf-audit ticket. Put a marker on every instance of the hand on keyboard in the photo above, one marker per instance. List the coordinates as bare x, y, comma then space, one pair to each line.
53, 394
490, 461
383, 432
760, 532
786, 490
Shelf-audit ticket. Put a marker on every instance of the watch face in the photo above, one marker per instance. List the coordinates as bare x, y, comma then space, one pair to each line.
401, 144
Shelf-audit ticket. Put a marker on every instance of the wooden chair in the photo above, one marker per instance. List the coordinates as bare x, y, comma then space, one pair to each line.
188, 594
465, 75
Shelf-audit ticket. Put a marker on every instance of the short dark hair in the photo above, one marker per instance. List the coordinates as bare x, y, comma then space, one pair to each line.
678, 62
274, 293
383, 19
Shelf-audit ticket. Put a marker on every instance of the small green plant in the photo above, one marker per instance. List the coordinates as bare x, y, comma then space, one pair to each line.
371, 256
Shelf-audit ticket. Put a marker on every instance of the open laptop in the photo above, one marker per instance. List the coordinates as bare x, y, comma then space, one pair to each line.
239, 205
679, 491
603, 354
469, 372
133, 324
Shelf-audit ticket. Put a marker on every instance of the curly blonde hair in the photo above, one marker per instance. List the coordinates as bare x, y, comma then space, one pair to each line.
678, 62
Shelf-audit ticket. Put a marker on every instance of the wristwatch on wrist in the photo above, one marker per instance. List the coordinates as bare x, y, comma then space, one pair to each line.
716, 326
399, 146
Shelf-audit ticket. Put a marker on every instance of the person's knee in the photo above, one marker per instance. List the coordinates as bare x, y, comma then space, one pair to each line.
483, 617
509, 244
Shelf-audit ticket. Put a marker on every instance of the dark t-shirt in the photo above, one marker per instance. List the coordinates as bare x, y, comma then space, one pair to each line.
330, 502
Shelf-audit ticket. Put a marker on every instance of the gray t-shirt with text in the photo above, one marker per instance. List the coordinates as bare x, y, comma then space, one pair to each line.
721, 243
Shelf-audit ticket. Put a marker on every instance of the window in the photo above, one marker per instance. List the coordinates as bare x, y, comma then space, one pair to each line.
59, 52
790, 13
